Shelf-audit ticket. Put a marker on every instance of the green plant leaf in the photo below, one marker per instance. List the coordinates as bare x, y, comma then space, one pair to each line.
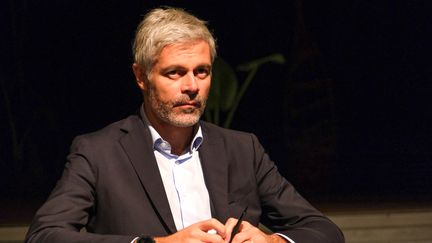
275, 58
224, 86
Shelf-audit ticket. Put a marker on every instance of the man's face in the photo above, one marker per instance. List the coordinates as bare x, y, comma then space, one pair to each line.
179, 84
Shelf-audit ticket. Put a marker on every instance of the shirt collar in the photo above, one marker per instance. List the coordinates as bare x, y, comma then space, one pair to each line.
160, 144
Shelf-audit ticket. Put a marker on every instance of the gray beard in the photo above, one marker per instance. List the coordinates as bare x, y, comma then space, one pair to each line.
164, 109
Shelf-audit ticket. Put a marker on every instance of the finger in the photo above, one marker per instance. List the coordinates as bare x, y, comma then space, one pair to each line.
249, 235
210, 238
243, 226
246, 232
212, 225
198, 233
229, 226
246, 225
241, 237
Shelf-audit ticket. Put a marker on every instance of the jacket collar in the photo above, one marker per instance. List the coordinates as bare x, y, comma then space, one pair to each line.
138, 145
214, 163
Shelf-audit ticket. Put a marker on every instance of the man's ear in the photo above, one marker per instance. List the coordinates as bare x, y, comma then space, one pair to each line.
140, 76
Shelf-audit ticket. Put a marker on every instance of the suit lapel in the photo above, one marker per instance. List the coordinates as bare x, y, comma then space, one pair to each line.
215, 168
139, 147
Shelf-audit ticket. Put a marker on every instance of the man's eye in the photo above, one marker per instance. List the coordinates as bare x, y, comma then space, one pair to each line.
173, 74
202, 73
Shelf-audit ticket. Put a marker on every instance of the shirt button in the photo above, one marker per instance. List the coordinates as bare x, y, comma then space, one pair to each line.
164, 145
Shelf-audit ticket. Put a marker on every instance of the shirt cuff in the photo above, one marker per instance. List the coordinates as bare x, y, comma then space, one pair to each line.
286, 238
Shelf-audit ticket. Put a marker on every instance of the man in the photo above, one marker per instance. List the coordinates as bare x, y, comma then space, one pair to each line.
164, 176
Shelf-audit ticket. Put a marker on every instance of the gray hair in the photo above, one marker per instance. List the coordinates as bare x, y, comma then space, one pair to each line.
165, 26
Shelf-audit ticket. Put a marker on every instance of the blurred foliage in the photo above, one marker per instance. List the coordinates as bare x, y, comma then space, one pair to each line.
226, 91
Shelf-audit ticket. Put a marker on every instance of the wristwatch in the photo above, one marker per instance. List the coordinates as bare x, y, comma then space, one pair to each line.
146, 239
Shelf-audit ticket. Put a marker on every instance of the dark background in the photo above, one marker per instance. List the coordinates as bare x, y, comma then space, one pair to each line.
346, 119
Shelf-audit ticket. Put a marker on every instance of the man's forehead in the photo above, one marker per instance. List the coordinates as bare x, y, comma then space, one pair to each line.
186, 45
193, 51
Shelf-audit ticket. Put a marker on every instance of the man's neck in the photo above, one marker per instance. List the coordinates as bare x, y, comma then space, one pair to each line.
178, 137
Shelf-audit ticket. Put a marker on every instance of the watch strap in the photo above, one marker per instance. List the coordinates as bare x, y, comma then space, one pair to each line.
145, 239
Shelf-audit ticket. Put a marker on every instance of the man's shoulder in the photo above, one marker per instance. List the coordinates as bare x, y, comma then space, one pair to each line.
213, 130
113, 131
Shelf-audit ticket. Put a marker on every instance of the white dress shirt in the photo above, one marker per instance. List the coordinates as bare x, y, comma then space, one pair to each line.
183, 179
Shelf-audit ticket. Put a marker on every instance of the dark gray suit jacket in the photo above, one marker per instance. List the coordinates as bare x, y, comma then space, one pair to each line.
111, 186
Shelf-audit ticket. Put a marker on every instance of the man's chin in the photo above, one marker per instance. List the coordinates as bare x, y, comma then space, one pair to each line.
188, 111
184, 120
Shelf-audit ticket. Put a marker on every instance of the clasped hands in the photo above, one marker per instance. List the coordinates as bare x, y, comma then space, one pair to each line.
213, 231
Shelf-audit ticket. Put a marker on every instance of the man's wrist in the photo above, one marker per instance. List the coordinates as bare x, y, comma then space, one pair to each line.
145, 239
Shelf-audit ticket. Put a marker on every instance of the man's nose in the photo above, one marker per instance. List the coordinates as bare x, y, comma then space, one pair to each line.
189, 84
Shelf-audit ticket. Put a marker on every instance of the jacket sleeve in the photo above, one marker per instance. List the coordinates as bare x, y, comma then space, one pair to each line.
67, 210
284, 210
